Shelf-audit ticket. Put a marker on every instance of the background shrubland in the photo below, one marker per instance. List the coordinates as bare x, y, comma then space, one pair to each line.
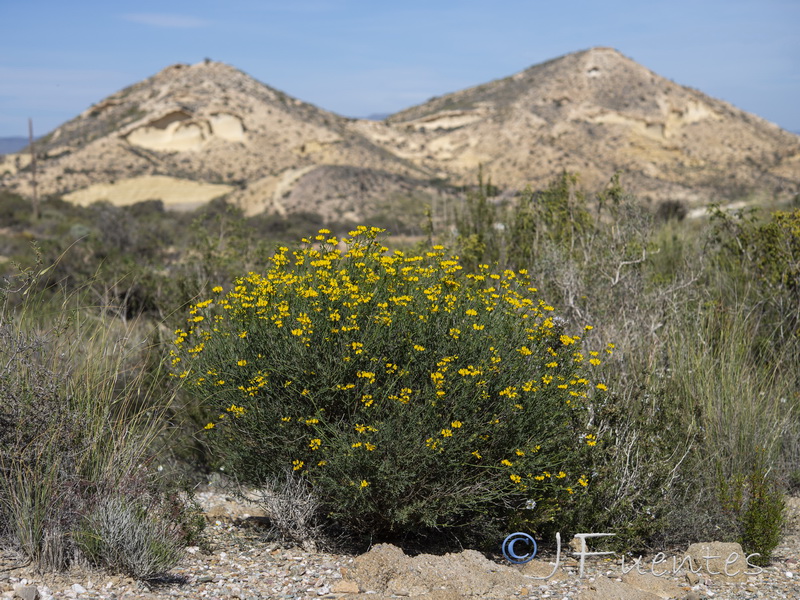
695, 436
704, 386
80, 423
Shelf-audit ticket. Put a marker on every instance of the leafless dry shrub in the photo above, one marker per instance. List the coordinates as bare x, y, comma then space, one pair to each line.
293, 510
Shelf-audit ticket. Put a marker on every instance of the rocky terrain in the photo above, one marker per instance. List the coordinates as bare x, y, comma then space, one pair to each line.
192, 133
240, 562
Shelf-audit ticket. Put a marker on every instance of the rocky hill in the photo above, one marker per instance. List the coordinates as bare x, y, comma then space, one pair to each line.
597, 112
192, 133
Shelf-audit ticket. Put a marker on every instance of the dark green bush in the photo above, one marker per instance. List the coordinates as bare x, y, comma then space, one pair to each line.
411, 395
755, 504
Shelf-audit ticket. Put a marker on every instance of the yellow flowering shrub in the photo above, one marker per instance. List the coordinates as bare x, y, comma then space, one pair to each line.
410, 393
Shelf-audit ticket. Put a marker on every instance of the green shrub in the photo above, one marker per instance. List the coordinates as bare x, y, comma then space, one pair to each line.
756, 505
14, 210
556, 216
409, 394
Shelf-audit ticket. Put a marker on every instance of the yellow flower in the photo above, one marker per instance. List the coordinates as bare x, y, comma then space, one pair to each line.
217, 289
297, 465
515, 478
237, 411
476, 454
368, 375
602, 386
242, 363
419, 348
456, 424
583, 481
447, 433
315, 444
364, 483
210, 426
506, 462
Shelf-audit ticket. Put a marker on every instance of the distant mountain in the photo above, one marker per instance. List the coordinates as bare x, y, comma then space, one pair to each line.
378, 116
597, 112
192, 133
10, 145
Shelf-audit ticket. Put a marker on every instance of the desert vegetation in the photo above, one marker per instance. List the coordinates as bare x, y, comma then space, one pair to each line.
552, 361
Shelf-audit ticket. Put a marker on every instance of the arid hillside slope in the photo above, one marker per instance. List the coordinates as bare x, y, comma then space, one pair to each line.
597, 112
192, 133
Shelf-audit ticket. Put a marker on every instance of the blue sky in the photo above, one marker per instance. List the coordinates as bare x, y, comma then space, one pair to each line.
359, 57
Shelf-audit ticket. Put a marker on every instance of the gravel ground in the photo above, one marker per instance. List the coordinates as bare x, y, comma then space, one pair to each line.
241, 564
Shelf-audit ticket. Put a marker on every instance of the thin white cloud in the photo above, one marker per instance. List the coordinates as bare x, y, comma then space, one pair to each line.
166, 20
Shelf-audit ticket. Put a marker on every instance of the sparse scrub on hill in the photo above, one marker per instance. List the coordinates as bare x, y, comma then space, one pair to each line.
412, 396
